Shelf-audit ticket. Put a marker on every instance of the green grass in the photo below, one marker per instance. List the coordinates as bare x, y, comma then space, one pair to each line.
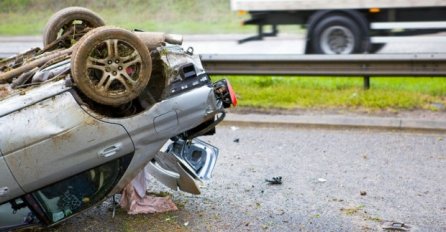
336, 92
15, 24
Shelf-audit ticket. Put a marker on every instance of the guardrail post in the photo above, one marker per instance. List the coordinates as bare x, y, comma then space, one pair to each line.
366, 82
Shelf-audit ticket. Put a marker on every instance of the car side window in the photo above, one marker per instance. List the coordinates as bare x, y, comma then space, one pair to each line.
78, 192
16, 213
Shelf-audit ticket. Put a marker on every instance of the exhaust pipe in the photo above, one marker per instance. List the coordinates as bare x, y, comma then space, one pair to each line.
157, 39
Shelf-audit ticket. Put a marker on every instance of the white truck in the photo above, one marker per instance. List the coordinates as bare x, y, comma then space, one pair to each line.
345, 26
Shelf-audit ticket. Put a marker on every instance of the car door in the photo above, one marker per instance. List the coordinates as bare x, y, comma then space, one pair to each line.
54, 139
8, 186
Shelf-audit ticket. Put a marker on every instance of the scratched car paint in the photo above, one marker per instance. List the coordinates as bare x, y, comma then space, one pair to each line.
79, 120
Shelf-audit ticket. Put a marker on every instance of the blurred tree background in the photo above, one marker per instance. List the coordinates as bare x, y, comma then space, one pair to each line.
23, 17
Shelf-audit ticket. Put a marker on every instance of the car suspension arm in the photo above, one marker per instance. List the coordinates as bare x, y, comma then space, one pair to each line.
7, 76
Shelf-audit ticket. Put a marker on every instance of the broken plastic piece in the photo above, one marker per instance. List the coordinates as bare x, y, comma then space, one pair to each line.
275, 180
399, 226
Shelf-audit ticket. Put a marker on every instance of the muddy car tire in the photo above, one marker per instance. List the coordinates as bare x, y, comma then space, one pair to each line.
111, 66
76, 18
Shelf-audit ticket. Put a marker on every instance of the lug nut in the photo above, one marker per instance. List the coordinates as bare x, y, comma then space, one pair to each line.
114, 73
117, 61
109, 62
120, 68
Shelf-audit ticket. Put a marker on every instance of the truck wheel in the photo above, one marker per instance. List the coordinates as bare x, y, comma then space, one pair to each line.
70, 23
337, 34
111, 66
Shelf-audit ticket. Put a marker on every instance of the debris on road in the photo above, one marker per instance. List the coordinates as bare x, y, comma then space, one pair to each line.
237, 140
275, 180
322, 180
363, 193
398, 226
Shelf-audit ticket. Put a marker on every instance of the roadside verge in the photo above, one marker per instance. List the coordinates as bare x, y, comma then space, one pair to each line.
336, 122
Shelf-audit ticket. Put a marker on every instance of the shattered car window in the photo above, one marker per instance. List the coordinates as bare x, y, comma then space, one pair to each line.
69, 196
13, 216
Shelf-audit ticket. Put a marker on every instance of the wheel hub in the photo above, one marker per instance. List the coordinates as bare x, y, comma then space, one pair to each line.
337, 40
114, 67
117, 61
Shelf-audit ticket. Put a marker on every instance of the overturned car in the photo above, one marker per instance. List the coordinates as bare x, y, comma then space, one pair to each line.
82, 116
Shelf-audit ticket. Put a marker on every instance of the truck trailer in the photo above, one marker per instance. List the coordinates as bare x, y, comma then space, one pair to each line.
345, 26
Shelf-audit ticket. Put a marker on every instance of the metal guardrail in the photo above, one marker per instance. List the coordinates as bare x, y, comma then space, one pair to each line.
364, 65
367, 65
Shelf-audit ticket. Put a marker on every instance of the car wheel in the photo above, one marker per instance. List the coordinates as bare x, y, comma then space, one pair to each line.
111, 66
70, 23
337, 34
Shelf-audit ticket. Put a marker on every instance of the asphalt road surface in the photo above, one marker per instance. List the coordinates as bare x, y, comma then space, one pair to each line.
283, 44
332, 180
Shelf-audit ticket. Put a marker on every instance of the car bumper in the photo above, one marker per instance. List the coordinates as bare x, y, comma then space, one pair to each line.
184, 165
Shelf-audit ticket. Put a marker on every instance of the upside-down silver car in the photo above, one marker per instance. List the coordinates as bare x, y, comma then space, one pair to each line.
78, 121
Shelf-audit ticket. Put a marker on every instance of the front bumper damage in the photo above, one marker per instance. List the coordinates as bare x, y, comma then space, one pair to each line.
186, 162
